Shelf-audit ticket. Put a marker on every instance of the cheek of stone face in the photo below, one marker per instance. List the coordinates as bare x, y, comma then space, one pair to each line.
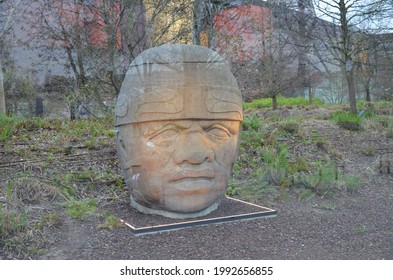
226, 153
154, 157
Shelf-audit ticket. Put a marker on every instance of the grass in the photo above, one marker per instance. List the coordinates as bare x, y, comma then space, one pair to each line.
270, 169
266, 166
278, 160
111, 222
347, 120
81, 209
6, 127
251, 123
11, 223
362, 228
327, 181
281, 101
50, 220
368, 151
58, 172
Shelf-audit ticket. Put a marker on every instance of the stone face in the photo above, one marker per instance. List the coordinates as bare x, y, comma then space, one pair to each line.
178, 119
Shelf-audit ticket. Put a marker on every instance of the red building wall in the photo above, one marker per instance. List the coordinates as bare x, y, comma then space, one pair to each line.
91, 22
241, 32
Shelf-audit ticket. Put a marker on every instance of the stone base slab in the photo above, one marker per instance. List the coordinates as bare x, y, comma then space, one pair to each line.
229, 210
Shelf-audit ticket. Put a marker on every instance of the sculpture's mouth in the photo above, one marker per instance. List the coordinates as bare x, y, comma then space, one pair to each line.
189, 175
193, 180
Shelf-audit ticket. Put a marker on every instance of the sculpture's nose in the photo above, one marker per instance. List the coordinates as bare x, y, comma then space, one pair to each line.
193, 148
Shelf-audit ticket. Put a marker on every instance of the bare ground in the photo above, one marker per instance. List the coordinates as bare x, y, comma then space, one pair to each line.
348, 226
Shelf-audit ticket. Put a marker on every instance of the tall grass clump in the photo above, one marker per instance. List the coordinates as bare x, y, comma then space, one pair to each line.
6, 127
11, 223
251, 123
326, 180
347, 120
13, 126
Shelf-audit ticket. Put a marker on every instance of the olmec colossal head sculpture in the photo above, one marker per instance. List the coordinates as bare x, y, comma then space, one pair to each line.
178, 119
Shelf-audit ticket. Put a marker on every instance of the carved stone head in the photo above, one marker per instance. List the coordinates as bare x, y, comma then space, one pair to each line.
178, 120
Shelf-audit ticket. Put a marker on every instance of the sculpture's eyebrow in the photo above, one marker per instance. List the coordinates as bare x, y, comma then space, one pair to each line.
154, 133
232, 126
155, 128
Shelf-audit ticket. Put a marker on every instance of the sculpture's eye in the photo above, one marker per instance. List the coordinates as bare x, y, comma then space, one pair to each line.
218, 132
165, 136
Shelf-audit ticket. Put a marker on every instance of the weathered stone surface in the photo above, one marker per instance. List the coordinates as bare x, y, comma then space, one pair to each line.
178, 118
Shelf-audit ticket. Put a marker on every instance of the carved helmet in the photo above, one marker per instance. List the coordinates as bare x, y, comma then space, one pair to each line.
173, 82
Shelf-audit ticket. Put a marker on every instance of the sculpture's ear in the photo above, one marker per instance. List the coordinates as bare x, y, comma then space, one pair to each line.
121, 149
125, 154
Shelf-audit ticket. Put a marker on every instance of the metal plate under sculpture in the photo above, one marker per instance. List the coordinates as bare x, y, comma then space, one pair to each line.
178, 119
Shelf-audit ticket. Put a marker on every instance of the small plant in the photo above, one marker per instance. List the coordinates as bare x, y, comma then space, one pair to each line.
306, 194
11, 223
232, 189
326, 180
50, 220
6, 127
251, 123
276, 167
369, 151
362, 228
389, 132
289, 127
256, 187
351, 183
81, 209
111, 223
347, 120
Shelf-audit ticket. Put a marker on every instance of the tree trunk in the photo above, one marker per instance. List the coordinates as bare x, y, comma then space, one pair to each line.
367, 90
351, 91
309, 95
301, 70
2, 92
198, 21
274, 101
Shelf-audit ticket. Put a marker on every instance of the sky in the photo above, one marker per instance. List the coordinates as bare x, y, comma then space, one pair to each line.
376, 24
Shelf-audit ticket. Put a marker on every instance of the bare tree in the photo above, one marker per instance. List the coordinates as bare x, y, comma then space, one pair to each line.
259, 48
276, 68
203, 20
7, 13
343, 39
301, 22
96, 40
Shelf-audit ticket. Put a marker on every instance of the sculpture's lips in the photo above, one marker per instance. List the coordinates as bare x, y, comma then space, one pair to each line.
192, 175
